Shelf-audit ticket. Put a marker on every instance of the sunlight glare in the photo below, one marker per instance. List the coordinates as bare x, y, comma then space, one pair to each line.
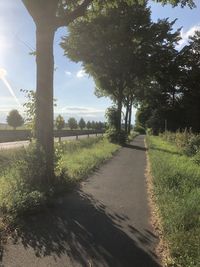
3, 74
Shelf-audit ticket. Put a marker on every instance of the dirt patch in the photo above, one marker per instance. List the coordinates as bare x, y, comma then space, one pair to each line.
162, 248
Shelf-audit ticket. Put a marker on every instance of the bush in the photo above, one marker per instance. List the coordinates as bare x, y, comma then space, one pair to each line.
22, 187
115, 137
186, 141
196, 158
193, 145
132, 135
149, 131
139, 129
182, 138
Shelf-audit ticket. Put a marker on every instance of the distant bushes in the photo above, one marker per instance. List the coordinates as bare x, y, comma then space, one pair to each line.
139, 129
186, 141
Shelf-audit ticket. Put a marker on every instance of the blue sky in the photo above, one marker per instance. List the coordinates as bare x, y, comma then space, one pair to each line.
73, 89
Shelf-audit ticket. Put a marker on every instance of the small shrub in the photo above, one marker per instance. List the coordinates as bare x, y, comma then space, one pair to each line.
196, 158
182, 138
168, 136
193, 145
132, 135
22, 184
139, 129
149, 131
115, 137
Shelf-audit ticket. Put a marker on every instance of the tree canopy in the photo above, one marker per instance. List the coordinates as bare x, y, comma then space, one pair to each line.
123, 50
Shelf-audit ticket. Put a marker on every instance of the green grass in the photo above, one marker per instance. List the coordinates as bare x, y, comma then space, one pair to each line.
78, 163
22, 187
177, 190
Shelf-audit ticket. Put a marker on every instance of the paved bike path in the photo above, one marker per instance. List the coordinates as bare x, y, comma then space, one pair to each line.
103, 223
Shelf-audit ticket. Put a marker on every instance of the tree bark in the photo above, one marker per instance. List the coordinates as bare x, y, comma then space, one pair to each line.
130, 116
119, 111
44, 93
126, 117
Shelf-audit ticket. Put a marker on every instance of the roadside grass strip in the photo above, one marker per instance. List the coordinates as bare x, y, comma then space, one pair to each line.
22, 185
78, 164
176, 180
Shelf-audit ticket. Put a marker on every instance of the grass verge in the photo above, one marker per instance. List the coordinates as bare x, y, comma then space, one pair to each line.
22, 185
77, 164
176, 181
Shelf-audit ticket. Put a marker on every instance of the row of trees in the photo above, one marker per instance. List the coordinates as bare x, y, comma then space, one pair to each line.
125, 52
14, 119
174, 102
73, 124
49, 15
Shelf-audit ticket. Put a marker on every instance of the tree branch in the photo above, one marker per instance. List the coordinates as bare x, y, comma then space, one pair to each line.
70, 16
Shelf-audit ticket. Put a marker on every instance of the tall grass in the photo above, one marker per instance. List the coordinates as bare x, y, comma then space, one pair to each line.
177, 191
22, 183
78, 163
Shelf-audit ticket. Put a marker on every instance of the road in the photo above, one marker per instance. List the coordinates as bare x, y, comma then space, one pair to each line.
18, 144
102, 223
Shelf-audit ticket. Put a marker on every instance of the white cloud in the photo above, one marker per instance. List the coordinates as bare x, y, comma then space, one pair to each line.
80, 111
185, 35
68, 73
80, 74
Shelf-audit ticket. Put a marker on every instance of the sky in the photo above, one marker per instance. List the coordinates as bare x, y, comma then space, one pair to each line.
73, 89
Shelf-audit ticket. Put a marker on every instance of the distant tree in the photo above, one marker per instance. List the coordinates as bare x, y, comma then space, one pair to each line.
93, 125
82, 123
14, 119
60, 122
88, 125
100, 125
72, 123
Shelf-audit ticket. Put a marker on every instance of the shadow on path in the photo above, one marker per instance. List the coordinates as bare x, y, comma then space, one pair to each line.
83, 229
135, 147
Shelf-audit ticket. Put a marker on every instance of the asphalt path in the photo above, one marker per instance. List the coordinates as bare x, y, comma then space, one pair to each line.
104, 222
18, 144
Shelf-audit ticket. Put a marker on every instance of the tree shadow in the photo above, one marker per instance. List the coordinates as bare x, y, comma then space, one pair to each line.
135, 147
82, 228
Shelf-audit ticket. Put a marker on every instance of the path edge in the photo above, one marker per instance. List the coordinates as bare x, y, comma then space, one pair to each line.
162, 247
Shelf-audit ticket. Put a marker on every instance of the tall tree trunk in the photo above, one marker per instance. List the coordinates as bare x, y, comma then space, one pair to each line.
119, 111
126, 117
44, 93
130, 116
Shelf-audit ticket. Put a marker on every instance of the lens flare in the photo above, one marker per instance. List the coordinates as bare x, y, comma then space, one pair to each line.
3, 74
